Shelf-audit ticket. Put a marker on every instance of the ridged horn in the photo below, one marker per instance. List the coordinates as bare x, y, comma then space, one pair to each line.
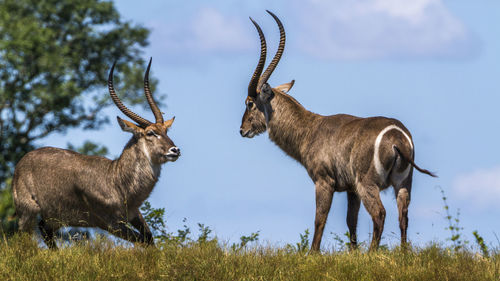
149, 96
252, 86
141, 121
269, 70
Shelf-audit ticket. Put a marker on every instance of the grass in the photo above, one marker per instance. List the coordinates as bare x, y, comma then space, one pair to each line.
21, 258
180, 256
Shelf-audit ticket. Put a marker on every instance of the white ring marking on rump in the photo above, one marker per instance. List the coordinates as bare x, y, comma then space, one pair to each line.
376, 159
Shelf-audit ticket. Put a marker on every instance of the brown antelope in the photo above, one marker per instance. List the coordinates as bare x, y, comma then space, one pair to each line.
70, 189
340, 152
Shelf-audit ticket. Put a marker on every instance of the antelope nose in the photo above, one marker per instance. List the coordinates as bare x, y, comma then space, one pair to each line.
241, 132
174, 150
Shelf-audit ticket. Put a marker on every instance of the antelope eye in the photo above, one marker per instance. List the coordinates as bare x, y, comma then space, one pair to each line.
151, 133
250, 104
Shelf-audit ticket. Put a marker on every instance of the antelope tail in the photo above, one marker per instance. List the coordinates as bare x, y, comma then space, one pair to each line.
406, 158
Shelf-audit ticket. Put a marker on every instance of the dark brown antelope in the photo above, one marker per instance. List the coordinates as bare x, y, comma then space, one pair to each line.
70, 189
340, 152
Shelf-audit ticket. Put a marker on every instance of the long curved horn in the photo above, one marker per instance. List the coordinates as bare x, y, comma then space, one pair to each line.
252, 86
269, 70
149, 96
141, 121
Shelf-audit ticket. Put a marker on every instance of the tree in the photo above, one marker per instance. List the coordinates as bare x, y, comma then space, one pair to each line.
54, 60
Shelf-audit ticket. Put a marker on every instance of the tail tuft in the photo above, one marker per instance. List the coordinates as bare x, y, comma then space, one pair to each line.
406, 158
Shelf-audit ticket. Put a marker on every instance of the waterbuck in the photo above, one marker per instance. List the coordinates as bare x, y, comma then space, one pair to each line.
70, 189
340, 152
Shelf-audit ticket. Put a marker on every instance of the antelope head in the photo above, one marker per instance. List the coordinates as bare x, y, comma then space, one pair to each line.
258, 102
151, 137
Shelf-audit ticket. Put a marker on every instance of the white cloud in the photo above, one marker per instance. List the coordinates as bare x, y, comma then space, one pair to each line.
357, 29
481, 188
206, 31
327, 29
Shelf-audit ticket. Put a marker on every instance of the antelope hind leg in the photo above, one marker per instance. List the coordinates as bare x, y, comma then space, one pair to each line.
370, 196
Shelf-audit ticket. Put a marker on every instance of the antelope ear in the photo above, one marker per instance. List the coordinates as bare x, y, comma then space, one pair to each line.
266, 93
128, 126
285, 87
167, 124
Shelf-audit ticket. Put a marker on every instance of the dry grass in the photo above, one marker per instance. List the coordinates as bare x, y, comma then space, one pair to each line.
22, 259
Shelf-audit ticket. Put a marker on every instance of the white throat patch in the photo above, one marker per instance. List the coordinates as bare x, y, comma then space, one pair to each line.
155, 168
146, 152
376, 159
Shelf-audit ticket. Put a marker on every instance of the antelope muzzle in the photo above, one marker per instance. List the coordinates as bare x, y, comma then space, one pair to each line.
173, 153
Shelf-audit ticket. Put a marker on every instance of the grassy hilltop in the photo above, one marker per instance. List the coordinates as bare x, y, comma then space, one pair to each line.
21, 258
181, 256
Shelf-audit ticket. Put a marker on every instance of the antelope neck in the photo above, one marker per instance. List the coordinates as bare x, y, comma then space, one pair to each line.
134, 172
289, 124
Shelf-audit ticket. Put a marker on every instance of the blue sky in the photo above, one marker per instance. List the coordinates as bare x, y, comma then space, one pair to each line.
433, 64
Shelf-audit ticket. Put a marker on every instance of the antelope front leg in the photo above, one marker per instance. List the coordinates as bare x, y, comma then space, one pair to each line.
353, 204
121, 230
47, 234
324, 195
140, 224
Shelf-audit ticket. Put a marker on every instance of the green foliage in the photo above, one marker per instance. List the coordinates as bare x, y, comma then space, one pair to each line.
183, 234
453, 225
54, 60
303, 245
342, 244
244, 241
481, 244
8, 222
253, 237
205, 231
154, 217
